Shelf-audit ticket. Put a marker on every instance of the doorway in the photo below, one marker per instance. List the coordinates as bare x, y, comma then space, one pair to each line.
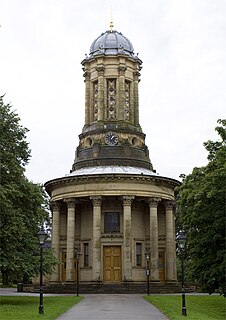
64, 265
112, 264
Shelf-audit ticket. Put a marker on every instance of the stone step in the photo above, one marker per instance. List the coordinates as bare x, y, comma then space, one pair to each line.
99, 287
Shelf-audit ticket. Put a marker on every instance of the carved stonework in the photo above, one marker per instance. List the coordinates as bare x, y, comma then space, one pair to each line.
169, 205
121, 70
95, 101
100, 70
153, 202
86, 75
70, 202
97, 200
111, 99
127, 200
127, 100
136, 76
55, 206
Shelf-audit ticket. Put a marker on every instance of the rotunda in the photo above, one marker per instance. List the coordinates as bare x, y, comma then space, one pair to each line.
112, 207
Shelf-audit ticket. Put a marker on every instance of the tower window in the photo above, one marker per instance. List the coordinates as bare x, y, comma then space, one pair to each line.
111, 222
86, 254
111, 99
127, 100
95, 101
138, 254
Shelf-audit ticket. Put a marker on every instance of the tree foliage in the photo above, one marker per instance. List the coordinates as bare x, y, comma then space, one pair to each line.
201, 212
23, 203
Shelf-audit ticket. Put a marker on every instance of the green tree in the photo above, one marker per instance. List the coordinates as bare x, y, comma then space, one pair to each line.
201, 212
23, 204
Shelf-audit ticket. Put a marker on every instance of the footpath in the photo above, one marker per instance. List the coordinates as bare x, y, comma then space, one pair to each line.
104, 307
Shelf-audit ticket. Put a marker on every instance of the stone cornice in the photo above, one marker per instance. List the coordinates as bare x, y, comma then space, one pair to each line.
157, 180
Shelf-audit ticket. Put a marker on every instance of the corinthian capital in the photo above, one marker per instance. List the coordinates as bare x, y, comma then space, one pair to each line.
169, 205
97, 200
153, 202
127, 200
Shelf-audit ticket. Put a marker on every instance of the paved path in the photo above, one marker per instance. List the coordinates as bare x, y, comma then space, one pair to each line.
113, 307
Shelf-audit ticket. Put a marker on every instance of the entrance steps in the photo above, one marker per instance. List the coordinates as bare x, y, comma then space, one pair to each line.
99, 287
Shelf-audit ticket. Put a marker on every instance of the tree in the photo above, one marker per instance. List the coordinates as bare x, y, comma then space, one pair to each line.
23, 203
201, 212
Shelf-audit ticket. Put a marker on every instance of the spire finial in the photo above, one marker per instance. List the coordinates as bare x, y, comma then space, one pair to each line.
111, 22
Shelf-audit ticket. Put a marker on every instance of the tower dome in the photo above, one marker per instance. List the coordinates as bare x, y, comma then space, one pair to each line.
111, 43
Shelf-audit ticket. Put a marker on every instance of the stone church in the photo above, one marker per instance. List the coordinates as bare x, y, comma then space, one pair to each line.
112, 208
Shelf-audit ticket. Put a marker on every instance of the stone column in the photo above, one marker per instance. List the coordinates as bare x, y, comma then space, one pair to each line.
127, 236
170, 244
136, 75
70, 240
55, 277
96, 259
154, 245
86, 75
122, 98
100, 69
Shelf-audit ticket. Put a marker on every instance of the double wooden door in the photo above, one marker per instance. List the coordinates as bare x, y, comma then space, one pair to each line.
112, 264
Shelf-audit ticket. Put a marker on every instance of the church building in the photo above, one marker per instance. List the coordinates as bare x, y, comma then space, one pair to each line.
112, 210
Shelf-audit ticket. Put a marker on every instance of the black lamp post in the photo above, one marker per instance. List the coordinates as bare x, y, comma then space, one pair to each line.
147, 256
181, 240
42, 236
77, 256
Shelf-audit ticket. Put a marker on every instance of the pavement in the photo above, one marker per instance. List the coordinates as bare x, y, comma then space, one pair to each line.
113, 307
104, 307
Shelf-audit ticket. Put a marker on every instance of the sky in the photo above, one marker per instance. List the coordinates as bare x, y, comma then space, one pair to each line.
182, 44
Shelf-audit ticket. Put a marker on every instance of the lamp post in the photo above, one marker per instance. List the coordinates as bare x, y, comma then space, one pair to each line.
181, 240
77, 256
147, 256
42, 236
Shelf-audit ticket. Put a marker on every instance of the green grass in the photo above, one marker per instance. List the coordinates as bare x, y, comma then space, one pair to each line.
198, 307
27, 308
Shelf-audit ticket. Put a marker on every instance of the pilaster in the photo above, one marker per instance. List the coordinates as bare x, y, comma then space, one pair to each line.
86, 75
100, 70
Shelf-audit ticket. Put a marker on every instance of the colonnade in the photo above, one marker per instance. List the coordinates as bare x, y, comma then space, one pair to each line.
170, 252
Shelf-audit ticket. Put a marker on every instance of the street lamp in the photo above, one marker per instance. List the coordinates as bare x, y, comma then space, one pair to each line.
147, 256
181, 240
42, 236
77, 257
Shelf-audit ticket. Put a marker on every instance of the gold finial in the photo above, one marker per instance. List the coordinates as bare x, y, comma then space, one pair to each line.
111, 23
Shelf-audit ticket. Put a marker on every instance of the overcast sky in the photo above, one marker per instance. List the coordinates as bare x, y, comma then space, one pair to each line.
182, 44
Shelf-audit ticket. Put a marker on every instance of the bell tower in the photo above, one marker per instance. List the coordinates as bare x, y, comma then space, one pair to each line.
112, 134
112, 207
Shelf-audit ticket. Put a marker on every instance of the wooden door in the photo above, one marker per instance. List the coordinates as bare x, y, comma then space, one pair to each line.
161, 267
63, 268
112, 264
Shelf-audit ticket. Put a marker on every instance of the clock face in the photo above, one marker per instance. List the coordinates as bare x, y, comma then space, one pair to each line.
111, 138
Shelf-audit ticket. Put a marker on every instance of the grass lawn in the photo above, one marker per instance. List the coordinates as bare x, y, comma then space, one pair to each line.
27, 308
198, 307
